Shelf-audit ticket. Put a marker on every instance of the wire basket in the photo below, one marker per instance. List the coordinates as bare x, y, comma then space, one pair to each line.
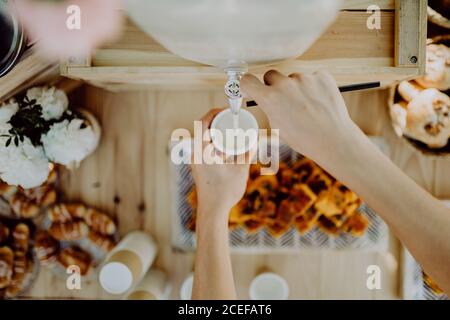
374, 239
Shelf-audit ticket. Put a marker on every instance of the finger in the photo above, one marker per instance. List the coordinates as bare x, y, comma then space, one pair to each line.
251, 87
271, 77
209, 117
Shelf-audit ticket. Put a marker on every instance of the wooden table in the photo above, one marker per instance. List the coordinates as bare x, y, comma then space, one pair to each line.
131, 166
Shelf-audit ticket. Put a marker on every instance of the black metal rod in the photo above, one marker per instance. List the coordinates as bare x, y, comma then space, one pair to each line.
349, 88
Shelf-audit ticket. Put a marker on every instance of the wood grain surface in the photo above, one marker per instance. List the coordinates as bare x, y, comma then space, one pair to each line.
129, 177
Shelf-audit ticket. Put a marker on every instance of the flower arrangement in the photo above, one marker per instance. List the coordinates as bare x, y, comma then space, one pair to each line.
38, 128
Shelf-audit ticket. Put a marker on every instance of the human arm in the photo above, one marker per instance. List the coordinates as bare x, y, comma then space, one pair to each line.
313, 119
219, 188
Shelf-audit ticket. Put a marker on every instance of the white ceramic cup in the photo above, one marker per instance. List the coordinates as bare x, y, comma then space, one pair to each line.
223, 126
186, 287
269, 286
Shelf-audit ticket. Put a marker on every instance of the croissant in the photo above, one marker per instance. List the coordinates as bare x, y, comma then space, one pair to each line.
20, 269
6, 266
101, 241
66, 212
21, 236
75, 256
74, 230
46, 248
43, 196
22, 207
99, 222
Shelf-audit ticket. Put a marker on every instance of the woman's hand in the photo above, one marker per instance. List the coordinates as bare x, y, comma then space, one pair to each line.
219, 186
307, 108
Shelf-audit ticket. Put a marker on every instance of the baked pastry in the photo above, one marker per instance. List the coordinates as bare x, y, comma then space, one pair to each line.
6, 191
46, 248
99, 222
66, 212
22, 207
4, 233
424, 117
6, 266
69, 231
431, 284
328, 226
21, 238
307, 220
75, 256
356, 225
20, 269
103, 242
438, 68
302, 195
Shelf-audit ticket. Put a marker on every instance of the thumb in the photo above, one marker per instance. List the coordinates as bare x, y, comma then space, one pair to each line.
251, 87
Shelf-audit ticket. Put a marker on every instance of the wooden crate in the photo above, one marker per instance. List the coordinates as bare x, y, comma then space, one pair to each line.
351, 51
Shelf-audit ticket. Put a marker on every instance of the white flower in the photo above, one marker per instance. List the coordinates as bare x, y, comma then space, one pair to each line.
68, 143
25, 165
7, 111
53, 101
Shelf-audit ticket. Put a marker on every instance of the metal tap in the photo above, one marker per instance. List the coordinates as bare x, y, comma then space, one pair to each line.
233, 88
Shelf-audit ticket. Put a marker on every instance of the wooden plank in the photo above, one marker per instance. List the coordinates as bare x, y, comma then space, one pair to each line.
364, 4
410, 33
347, 38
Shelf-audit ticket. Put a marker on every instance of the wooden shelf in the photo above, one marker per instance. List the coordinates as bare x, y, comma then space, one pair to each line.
349, 50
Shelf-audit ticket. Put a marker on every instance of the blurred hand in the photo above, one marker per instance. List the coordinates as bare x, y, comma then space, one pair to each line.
307, 108
46, 22
219, 186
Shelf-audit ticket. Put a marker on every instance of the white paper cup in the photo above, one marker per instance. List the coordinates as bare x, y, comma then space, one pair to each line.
222, 127
269, 286
186, 287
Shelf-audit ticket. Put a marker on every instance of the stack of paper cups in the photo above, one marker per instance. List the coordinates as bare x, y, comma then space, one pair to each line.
128, 262
154, 286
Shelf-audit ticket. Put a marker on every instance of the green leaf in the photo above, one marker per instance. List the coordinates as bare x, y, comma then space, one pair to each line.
8, 142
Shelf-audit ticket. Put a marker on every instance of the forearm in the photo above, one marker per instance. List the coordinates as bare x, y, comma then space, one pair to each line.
213, 277
420, 221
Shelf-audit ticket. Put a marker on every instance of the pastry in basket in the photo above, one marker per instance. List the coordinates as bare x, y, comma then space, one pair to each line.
356, 225
46, 248
338, 204
6, 266
307, 220
425, 116
301, 198
263, 185
75, 256
21, 238
328, 226
437, 69
431, 284
320, 183
69, 231
21, 266
304, 169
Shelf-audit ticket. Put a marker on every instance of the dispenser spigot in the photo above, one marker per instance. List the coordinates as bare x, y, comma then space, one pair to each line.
233, 88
